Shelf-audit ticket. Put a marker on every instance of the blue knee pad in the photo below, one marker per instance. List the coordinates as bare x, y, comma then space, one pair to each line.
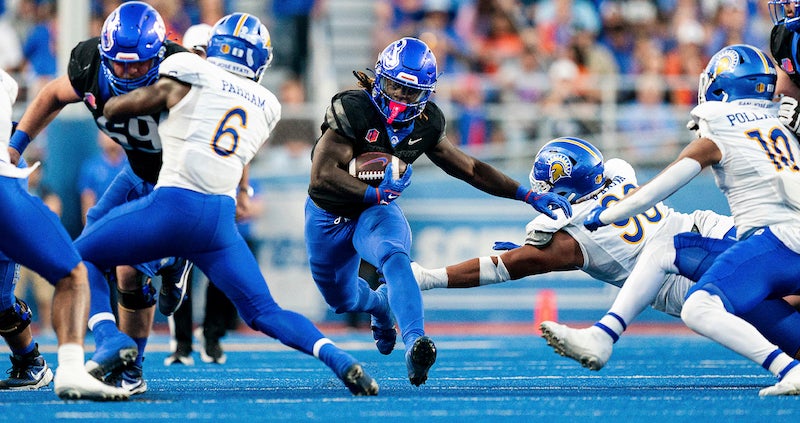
694, 253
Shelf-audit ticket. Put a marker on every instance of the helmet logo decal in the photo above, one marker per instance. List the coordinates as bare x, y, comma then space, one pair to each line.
727, 61
392, 59
112, 25
160, 29
250, 60
560, 167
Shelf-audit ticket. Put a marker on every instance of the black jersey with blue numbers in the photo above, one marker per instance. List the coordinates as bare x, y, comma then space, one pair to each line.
353, 116
138, 135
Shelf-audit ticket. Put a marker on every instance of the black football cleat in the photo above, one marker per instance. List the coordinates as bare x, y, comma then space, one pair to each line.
419, 359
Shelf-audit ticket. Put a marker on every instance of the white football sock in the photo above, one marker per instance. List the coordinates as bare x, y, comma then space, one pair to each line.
705, 314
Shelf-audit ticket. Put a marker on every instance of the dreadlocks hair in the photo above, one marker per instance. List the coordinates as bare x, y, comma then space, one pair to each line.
364, 81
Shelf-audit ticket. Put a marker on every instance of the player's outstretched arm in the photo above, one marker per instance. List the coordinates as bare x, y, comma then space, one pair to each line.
489, 179
562, 253
699, 154
40, 112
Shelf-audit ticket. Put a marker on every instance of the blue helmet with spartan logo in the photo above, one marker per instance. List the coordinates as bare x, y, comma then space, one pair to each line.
738, 71
570, 167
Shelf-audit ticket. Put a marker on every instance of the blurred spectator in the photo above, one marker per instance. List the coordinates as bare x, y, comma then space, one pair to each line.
558, 20
502, 43
472, 126
207, 11
290, 33
100, 9
523, 84
731, 25
565, 111
523, 80
291, 141
648, 124
11, 47
39, 48
97, 172
395, 19
599, 71
453, 55
684, 62
175, 18
617, 37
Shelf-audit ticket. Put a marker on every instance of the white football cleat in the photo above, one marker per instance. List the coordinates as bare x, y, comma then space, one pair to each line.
789, 385
72, 383
590, 346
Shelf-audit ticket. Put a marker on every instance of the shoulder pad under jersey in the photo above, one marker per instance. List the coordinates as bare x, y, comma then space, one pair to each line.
183, 67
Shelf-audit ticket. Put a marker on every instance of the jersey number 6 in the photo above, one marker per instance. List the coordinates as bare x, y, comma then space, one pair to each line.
227, 129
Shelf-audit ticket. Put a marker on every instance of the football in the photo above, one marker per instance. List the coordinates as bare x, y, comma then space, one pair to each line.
370, 167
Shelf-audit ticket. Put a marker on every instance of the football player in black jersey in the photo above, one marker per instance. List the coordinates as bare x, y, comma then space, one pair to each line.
784, 46
348, 220
125, 56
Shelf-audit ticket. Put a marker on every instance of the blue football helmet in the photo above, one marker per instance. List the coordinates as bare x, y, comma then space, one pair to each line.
240, 44
133, 32
777, 10
736, 72
570, 167
405, 78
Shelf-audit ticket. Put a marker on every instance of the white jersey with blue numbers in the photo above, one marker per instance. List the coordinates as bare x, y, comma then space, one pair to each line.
209, 155
610, 252
758, 172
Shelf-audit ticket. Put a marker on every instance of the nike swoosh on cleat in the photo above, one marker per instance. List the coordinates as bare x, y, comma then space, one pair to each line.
38, 375
129, 385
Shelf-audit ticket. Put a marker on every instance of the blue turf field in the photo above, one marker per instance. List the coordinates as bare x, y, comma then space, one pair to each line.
650, 378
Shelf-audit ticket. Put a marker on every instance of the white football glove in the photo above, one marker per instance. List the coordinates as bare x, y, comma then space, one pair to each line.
693, 126
789, 113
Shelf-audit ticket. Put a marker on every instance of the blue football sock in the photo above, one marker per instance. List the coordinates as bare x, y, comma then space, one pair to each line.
337, 359
140, 344
25, 350
100, 291
406, 299
104, 329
